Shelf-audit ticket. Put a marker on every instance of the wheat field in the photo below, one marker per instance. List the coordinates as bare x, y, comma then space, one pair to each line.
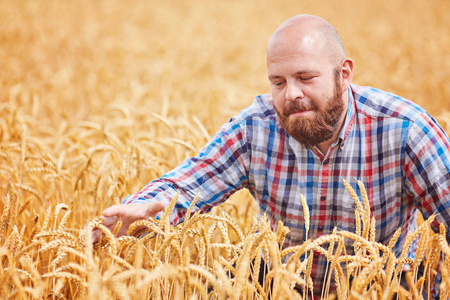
99, 97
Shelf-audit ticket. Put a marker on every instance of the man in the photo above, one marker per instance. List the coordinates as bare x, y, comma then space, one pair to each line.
315, 129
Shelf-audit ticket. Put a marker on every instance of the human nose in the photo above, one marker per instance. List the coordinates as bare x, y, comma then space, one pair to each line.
294, 92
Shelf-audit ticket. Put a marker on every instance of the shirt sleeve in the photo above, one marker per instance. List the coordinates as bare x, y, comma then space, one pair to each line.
427, 169
218, 170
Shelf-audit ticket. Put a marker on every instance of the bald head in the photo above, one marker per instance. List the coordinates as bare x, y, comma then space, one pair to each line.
306, 33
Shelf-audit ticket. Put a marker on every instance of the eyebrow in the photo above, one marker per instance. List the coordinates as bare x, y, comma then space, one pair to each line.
272, 77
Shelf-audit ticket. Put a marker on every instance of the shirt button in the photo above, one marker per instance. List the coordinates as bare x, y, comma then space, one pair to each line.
323, 198
325, 162
320, 228
316, 256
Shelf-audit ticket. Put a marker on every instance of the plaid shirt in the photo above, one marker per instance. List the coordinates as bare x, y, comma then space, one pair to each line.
392, 145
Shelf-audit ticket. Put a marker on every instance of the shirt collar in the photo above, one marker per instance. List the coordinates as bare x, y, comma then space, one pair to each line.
349, 118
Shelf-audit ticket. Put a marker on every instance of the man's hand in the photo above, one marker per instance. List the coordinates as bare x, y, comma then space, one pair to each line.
127, 213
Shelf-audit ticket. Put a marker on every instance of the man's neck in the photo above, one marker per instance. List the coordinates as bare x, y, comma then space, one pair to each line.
323, 147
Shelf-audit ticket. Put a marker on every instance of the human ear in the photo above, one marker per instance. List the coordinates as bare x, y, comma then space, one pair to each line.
346, 73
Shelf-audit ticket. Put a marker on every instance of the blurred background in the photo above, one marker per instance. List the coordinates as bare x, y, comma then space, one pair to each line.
86, 54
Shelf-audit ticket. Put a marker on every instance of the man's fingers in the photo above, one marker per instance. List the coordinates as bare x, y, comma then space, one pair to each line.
134, 211
112, 211
128, 214
109, 221
154, 208
95, 235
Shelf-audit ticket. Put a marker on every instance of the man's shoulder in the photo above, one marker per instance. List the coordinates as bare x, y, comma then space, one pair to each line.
260, 109
377, 103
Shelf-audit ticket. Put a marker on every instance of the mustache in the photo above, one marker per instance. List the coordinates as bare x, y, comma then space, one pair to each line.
298, 106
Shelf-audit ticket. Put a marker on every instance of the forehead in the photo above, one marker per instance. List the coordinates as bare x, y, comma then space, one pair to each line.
297, 62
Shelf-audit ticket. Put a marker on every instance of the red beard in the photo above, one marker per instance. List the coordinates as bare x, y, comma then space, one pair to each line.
318, 127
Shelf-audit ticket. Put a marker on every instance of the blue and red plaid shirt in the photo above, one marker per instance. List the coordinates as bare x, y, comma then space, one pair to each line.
392, 145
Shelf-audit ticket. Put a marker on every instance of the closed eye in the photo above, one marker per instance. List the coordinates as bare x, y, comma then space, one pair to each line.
277, 83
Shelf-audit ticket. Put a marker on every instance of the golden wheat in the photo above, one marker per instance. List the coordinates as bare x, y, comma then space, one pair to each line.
95, 102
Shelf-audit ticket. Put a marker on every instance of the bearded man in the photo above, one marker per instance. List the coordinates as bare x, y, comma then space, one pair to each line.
315, 129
